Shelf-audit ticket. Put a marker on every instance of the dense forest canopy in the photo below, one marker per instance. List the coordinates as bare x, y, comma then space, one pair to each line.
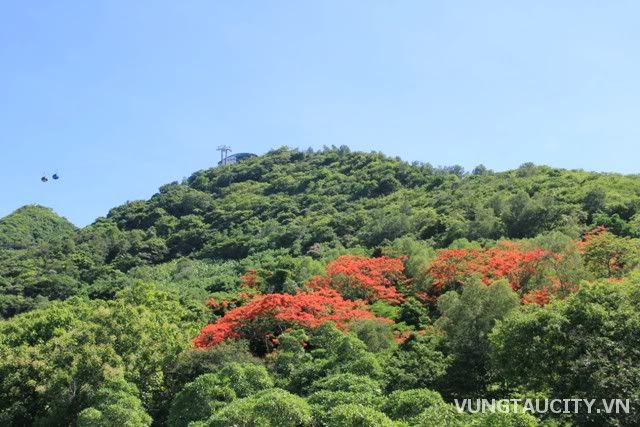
337, 288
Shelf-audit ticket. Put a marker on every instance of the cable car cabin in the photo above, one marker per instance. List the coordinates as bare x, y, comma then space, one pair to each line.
55, 176
44, 179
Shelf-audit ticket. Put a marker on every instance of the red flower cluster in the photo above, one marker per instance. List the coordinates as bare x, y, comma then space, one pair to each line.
214, 304
454, 266
249, 279
359, 277
274, 313
538, 296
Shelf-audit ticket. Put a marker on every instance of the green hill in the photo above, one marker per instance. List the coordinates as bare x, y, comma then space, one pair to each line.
32, 225
298, 204
326, 288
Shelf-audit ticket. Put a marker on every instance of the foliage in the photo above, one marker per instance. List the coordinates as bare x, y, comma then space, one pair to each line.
369, 291
407, 404
269, 408
377, 335
198, 400
354, 415
116, 403
53, 360
305, 363
467, 319
294, 205
453, 267
267, 316
608, 255
192, 363
357, 277
413, 312
342, 389
448, 415
584, 346
417, 363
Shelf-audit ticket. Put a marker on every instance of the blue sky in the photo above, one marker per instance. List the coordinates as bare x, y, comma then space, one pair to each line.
121, 97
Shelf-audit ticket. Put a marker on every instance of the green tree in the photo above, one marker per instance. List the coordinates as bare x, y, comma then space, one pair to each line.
199, 399
116, 403
607, 255
595, 201
414, 313
354, 415
53, 360
303, 359
268, 408
407, 404
417, 363
378, 336
192, 363
467, 318
583, 347
341, 389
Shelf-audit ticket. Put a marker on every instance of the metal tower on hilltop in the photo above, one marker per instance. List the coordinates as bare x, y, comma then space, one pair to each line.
223, 149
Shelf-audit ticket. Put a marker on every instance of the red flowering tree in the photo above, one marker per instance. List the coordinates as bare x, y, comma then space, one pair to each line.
359, 277
452, 267
267, 316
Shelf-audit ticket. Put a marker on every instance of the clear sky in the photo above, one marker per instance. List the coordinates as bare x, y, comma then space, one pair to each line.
120, 96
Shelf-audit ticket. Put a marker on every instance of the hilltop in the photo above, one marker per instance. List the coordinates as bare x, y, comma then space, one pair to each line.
33, 225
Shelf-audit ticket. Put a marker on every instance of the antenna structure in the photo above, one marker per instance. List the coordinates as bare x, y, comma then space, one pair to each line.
223, 149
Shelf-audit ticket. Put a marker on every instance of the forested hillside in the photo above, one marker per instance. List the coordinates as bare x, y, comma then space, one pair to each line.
329, 288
